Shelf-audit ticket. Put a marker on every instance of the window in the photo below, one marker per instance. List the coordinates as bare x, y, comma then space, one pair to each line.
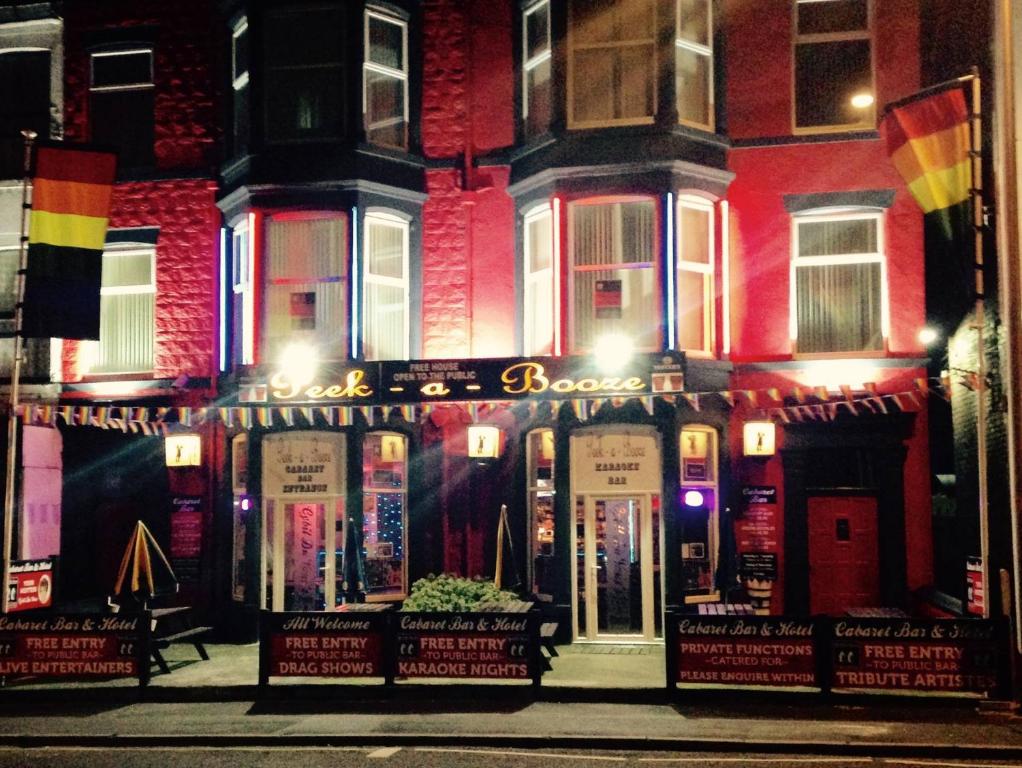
384, 512
838, 284
540, 466
121, 104
244, 299
306, 283
699, 509
385, 316
304, 73
24, 103
695, 275
536, 58
611, 62
538, 303
613, 279
385, 81
693, 58
126, 313
833, 64
239, 85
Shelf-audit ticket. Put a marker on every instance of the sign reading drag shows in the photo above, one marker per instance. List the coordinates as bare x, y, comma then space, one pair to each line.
902, 654
348, 644
69, 646
744, 650
497, 645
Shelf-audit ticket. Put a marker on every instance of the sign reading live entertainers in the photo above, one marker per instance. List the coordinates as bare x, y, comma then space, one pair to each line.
464, 645
745, 650
69, 646
922, 655
348, 644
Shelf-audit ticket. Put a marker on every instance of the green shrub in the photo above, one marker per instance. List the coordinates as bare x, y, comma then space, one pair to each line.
453, 594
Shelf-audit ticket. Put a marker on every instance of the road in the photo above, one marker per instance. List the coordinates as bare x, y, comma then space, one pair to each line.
436, 757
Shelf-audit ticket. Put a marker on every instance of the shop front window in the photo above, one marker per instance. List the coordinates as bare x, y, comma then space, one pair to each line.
541, 509
384, 514
699, 510
241, 512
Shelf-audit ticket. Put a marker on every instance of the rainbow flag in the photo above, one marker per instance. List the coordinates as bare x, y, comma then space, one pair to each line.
71, 191
928, 142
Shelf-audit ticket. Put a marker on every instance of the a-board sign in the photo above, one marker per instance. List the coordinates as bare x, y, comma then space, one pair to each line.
30, 585
492, 645
912, 654
744, 650
348, 644
70, 646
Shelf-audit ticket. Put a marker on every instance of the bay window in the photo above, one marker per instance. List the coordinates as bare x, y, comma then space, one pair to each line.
385, 318
244, 299
695, 275
838, 279
538, 305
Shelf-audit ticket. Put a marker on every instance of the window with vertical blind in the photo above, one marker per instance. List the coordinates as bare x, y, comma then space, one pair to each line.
695, 275
306, 283
538, 271
838, 283
537, 59
385, 310
127, 318
613, 281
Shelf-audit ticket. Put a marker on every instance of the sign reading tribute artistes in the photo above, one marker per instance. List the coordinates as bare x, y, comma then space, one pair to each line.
325, 645
69, 646
464, 645
744, 650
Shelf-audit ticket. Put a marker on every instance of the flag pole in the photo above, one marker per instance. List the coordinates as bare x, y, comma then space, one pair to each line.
19, 347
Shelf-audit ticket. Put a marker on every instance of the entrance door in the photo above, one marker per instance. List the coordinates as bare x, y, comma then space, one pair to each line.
844, 559
616, 558
303, 553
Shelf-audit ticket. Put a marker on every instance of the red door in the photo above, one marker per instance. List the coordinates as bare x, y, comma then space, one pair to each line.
843, 553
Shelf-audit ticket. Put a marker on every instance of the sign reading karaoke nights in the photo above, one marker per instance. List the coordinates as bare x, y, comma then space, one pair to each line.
464, 645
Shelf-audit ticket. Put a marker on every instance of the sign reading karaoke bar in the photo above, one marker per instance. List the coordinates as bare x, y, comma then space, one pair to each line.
466, 645
348, 644
744, 650
69, 646
902, 654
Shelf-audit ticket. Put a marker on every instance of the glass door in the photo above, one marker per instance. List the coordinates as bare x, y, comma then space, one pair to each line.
303, 555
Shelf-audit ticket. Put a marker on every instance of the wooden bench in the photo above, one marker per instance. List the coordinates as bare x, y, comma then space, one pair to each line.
174, 625
726, 609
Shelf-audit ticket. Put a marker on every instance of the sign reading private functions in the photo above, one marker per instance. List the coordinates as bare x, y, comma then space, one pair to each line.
325, 645
30, 585
904, 654
491, 645
303, 464
745, 650
69, 646
416, 381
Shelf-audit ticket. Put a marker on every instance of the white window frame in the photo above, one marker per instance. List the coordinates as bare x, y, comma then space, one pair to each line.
713, 484
868, 120
91, 349
528, 65
138, 86
535, 490
379, 218
533, 279
706, 270
238, 82
700, 49
370, 66
654, 74
877, 257
403, 491
242, 265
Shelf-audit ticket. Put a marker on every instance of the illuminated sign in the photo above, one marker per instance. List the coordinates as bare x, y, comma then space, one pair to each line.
758, 438
184, 451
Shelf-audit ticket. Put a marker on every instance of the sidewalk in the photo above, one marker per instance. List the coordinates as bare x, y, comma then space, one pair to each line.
217, 703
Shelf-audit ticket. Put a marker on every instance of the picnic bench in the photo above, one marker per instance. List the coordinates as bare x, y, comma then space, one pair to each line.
726, 609
174, 625
547, 629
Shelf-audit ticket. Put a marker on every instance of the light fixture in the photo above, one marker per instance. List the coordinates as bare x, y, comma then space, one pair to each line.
862, 100
299, 362
484, 441
183, 450
759, 438
693, 498
928, 335
613, 351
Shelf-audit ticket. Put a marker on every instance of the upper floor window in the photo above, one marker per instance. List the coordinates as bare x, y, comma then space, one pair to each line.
126, 312
611, 62
385, 316
693, 54
385, 80
834, 86
244, 298
304, 71
121, 102
536, 61
695, 275
613, 281
239, 85
538, 283
306, 283
24, 104
838, 291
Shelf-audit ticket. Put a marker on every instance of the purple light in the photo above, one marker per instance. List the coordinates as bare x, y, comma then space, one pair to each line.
693, 498
246, 504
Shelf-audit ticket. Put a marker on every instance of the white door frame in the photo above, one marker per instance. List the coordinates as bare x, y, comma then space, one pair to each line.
275, 549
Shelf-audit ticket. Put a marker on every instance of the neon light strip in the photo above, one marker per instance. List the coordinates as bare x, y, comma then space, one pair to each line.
725, 269
355, 251
557, 276
223, 299
249, 308
669, 251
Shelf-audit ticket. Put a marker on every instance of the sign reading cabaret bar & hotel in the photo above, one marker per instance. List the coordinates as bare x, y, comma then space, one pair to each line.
417, 381
69, 646
464, 645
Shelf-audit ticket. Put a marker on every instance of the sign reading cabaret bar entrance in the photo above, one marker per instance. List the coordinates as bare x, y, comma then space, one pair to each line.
303, 464
512, 378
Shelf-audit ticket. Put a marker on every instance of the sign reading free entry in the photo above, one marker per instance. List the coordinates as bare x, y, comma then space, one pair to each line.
466, 645
70, 646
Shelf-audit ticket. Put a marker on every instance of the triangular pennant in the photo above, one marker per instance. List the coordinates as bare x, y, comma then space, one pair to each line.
800, 395
774, 394
782, 414
753, 397
308, 413
647, 403
821, 393
693, 399
728, 396
923, 385
579, 406
245, 417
